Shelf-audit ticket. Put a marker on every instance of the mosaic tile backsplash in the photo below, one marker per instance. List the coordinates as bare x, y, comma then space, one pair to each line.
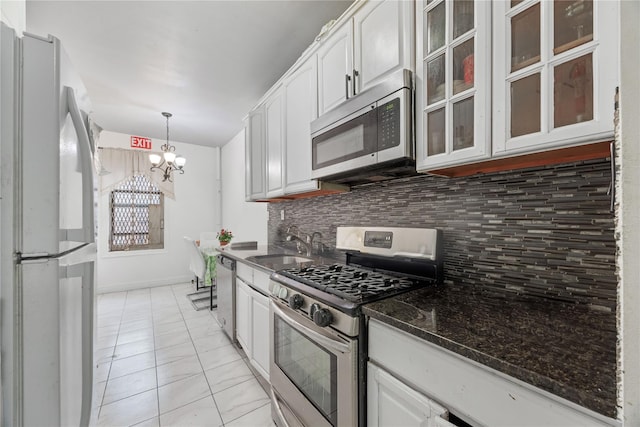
544, 232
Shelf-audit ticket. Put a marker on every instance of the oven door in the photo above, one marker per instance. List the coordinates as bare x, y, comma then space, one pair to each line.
313, 372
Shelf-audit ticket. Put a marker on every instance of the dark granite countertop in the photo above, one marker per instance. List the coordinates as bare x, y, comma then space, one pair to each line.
566, 349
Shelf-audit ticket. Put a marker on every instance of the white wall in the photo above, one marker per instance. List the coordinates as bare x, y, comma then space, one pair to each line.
628, 220
247, 220
14, 14
194, 210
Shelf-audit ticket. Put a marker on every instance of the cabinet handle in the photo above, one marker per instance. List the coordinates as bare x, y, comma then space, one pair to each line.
355, 75
347, 77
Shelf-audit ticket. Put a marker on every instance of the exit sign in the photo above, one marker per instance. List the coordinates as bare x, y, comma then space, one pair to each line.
141, 142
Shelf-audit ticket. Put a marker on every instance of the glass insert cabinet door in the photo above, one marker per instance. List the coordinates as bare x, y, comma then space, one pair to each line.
452, 82
554, 73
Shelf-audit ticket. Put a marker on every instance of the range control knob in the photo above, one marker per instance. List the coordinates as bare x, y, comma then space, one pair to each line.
312, 309
296, 301
322, 317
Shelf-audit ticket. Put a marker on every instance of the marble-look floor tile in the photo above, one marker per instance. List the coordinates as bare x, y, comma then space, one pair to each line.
103, 355
129, 365
171, 339
153, 422
108, 320
204, 331
219, 356
183, 392
240, 399
135, 325
199, 322
260, 417
172, 327
136, 335
173, 353
133, 348
98, 394
105, 341
211, 342
107, 331
194, 315
168, 319
178, 370
130, 411
101, 372
160, 312
137, 382
202, 412
225, 376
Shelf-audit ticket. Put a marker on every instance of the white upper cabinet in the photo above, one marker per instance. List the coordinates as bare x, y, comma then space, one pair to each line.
335, 59
453, 83
382, 41
301, 108
555, 73
274, 112
255, 155
377, 41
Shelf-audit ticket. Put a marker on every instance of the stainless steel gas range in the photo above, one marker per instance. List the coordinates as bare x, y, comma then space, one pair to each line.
318, 336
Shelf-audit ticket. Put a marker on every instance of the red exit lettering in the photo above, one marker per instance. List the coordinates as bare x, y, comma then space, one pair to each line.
141, 142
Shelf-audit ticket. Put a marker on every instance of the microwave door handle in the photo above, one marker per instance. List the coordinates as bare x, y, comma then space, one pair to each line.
326, 341
347, 77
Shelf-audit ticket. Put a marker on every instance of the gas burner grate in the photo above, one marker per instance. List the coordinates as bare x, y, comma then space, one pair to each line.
351, 283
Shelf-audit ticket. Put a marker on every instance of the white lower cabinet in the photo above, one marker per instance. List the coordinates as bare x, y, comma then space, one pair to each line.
252, 318
407, 374
392, 403
260, 333
243, 313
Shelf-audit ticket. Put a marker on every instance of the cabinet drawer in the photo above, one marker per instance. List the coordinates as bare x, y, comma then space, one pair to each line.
244, 272
261, 281
467, 388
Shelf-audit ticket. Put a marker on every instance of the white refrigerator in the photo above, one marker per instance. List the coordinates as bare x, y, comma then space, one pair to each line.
47, 236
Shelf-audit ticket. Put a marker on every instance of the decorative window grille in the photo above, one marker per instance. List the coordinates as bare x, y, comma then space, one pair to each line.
137, 216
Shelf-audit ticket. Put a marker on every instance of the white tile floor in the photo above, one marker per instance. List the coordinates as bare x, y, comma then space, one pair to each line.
159, 362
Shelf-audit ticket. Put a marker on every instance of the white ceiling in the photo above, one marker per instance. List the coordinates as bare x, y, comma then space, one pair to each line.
206, 62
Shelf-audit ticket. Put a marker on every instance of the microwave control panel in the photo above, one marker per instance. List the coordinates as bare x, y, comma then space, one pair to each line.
389, 124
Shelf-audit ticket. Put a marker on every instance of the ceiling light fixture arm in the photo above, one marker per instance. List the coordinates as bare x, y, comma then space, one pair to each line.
168, 162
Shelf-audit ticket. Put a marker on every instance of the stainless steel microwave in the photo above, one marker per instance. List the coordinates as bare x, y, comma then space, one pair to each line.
368, 137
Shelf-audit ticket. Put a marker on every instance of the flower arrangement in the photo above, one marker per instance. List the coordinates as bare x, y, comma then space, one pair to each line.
224, 236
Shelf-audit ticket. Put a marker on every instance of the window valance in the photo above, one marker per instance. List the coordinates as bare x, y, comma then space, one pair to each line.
115, 165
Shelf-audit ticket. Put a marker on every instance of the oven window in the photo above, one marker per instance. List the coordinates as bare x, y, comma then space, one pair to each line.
310, 367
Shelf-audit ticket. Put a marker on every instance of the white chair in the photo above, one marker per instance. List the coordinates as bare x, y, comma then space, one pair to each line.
198, 267
208, 239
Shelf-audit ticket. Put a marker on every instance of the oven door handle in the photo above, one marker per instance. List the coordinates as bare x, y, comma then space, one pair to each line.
326, 341
276, 405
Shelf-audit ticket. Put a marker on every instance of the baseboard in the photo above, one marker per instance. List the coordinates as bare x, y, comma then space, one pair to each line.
131, 286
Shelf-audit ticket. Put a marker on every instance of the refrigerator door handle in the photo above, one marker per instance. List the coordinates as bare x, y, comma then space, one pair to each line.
86, 163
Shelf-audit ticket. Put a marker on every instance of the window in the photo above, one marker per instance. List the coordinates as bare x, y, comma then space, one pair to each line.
137, 216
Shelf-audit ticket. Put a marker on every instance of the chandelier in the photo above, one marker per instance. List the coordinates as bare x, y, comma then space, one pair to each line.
167, 162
